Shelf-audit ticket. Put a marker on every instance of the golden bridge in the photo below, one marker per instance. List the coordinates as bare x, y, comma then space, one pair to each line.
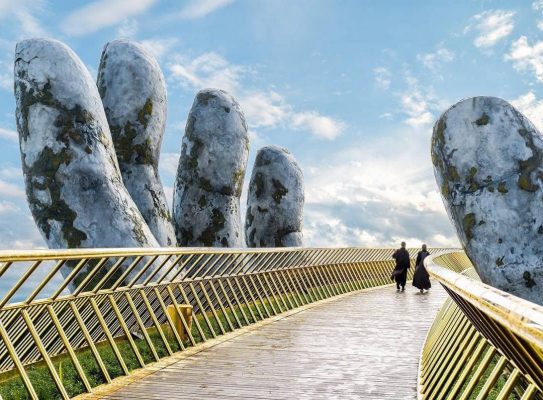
261, 324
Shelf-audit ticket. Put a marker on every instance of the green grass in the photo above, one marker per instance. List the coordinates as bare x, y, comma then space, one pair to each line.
12, 387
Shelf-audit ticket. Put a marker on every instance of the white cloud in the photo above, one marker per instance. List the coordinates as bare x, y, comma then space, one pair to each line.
159, 47
168, 164
433, 60
386, 115
6, 76
417, 104
263, 109
526, 57
492, 26
17, 21
17, 228
320, 125
11, 190
127, 29
11, 173
10, 135
364, 197
538, 6
382, 77
530, 106
22, 13
102, 14
208, 70
201, 8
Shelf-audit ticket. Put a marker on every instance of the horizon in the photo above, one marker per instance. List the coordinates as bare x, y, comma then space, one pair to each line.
351, 99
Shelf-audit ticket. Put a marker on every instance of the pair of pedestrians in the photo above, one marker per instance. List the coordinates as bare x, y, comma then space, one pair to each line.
421, 278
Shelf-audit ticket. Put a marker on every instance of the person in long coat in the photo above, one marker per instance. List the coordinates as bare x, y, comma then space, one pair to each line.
402, 265
421, 277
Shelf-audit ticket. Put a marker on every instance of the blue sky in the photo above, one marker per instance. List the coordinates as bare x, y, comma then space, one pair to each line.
350, 87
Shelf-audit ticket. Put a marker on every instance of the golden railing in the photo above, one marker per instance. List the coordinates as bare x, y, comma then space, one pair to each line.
101, 315
484, 343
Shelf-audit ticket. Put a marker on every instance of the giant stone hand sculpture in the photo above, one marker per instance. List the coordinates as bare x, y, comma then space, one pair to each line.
488, 161
210, 175
275, 201
73, 184
133, 93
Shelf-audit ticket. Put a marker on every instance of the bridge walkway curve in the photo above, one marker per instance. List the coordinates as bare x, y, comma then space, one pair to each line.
365, 345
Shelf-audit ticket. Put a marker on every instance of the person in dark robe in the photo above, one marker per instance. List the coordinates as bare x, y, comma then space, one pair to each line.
402, 265
421, 277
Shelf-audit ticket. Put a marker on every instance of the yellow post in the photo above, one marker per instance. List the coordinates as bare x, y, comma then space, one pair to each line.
186, 311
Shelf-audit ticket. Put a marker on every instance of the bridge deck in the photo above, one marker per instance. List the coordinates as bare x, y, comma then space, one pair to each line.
365, 345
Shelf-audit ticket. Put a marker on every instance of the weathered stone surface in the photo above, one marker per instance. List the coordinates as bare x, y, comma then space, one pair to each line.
210, 174
276, 200
488, 161
133, 92
73, 184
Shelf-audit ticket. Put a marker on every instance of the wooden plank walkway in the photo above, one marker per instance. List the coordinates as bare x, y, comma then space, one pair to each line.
365, 346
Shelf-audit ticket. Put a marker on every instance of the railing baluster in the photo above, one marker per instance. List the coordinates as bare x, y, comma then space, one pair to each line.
109, 337
90, 342
141, 325
44, 354
68, 348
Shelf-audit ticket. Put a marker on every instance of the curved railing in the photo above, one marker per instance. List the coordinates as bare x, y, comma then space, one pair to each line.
72, 322
484, 343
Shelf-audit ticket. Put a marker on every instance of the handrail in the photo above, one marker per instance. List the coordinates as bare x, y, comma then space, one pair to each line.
520, 316
484, 343
126, 305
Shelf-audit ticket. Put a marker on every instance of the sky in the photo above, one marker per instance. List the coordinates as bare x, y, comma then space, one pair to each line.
352, 88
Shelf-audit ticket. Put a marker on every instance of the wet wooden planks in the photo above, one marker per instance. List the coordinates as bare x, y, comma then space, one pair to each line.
362, 346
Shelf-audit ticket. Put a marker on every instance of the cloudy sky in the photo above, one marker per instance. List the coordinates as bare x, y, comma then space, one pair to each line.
351, 87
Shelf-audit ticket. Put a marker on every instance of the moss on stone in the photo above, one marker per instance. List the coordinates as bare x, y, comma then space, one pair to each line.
205, 184
470, 179
445, 190
209, 235
237, 179
438, 142
102, 88
250, 217
159, 208
186, 237
202, 202
483, 120
468, 223
45, 167
72, 130
502, 188
259, 185
452, 174
526, 167
279, 191
528, 280
205, 96
129, 152
526, 184
144, 115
